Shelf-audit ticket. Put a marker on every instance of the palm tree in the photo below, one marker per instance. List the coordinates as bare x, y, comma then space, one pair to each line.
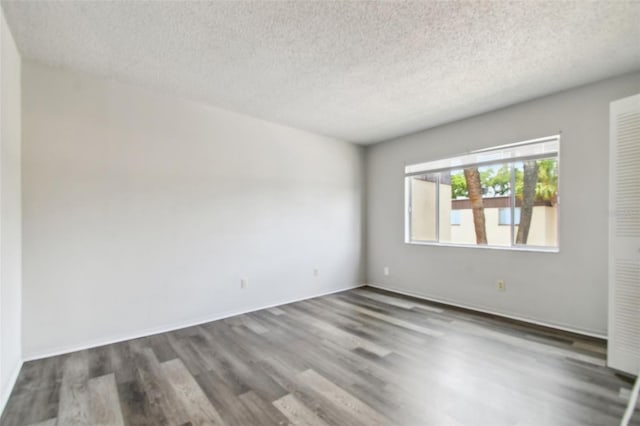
530, 179
474, 187
537, 182
546, 184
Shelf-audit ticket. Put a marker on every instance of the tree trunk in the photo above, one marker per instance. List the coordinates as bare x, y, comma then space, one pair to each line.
474, 187
530, 179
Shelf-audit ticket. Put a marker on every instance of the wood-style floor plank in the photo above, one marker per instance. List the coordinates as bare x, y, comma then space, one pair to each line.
233, 411
50, 422
196, 404
165, 408
359, 357
104, 401
297, 412
73, 408
266, 413
341, 399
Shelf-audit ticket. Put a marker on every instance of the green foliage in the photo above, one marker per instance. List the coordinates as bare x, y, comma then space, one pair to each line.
458, 186
496, 182
547, 184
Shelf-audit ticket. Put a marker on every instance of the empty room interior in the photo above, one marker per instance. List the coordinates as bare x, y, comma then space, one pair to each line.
319, 213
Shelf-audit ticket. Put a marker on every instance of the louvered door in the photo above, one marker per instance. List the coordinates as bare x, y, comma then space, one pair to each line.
624, 236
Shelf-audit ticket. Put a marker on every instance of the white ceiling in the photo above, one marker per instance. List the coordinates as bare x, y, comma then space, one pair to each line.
357, 71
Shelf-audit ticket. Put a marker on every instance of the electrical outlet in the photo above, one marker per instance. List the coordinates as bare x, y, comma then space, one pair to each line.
244, 283
501, 286
386, 270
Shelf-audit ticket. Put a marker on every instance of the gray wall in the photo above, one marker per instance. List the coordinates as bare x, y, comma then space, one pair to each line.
143, 212
10, 214
566, 289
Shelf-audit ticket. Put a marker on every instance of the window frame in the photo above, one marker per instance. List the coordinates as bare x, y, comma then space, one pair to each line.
413, 170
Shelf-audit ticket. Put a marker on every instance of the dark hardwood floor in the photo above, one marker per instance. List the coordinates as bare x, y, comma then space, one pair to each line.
361, 357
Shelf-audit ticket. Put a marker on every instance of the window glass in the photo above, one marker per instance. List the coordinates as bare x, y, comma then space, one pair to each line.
537, 200
424, 190
505, 216
456, 217
486, 187
474, 204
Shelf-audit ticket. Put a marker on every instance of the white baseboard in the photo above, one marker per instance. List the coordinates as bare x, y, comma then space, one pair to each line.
6, 393
492, 312
168, 327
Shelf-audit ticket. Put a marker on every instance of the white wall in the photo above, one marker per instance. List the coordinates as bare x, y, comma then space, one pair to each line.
143, 212
10, 214
566, 289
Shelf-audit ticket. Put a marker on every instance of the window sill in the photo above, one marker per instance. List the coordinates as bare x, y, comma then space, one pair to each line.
476, 246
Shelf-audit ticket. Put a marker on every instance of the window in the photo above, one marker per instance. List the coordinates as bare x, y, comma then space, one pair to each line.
470, 200
504, 216
456, 217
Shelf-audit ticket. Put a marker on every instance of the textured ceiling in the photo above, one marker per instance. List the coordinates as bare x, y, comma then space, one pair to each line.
357, 71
